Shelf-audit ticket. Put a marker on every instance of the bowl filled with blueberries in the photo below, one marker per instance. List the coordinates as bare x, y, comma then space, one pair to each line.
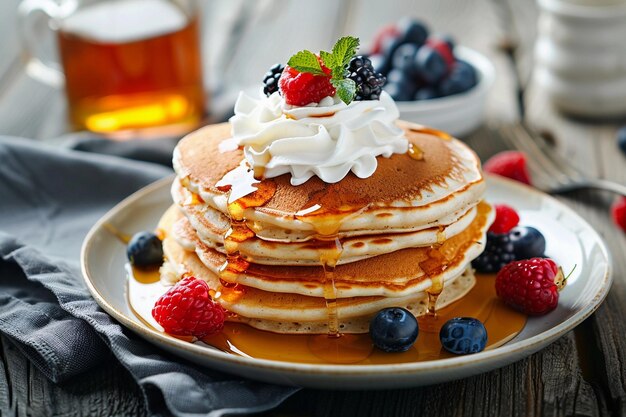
433, 81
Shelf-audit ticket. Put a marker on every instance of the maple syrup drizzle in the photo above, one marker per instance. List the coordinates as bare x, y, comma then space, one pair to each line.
329, 258
237, 233
122, 237
415, 152
431, 131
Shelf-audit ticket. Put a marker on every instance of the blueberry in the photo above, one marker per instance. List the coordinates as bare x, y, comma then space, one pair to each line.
390, 45
461, 78
403, 58
425, 93
463, 335
394, 329
621, 139
145, 249
412, 31
528, 242
429, 64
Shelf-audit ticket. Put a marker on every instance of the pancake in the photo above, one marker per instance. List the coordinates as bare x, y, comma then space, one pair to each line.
402, 194
292, 313
395, 274
211, 226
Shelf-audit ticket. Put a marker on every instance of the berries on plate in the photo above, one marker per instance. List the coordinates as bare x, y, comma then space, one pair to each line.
302, 88
270, 82
510, 164
530, 286
145, 249
621, 139
186, 309
498, 252
369, 83
618, 212
463, 335
506, 219
528, 242
394, 329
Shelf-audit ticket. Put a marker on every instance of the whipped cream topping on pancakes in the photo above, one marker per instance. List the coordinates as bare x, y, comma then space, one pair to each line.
327, 140
403, 194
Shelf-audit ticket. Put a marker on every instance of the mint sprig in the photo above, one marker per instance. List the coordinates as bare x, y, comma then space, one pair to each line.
337, 61
306, 61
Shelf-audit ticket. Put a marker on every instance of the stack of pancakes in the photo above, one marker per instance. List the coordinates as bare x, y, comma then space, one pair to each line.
306, 256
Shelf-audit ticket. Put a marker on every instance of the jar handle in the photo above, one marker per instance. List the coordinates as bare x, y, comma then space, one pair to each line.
32, 13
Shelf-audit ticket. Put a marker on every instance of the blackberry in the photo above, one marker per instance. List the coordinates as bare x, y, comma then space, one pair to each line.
270, 82
369, 83
498, 252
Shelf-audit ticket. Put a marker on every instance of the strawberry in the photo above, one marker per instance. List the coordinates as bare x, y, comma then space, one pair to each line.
618, 212
506, 219
510, 164
187, 309
302, 88
531, 286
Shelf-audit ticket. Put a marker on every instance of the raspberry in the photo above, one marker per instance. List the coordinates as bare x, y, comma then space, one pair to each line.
389, 31
530, 286
302, 88
510, 164
186, 309
618, 211
506, 219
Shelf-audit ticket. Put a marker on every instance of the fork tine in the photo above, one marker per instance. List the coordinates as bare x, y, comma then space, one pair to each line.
537, 161
557, 159
541, 178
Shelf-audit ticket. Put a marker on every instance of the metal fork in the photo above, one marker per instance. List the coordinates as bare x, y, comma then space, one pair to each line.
550, 171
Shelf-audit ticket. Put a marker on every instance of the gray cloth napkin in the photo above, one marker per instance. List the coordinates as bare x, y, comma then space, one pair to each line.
48, 201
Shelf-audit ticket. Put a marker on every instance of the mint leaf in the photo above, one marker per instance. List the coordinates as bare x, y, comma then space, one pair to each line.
339, 72
344, 50
346, 89
306, 61
328, 59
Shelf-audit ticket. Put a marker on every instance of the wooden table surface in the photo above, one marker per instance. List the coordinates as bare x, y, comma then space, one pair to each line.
582, 374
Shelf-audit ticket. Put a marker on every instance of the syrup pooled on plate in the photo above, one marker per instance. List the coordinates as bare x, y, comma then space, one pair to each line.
502, 324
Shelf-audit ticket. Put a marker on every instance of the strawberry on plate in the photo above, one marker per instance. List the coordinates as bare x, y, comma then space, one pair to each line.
510, 164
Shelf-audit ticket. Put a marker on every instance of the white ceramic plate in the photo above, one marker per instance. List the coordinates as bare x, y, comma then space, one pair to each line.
570, 240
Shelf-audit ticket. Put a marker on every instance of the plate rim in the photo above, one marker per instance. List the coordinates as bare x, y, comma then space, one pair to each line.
529, 345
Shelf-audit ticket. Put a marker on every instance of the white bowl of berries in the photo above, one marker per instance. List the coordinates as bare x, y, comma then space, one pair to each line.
433, 81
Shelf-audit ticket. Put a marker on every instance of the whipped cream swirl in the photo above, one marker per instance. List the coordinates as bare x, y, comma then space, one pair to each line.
327, 139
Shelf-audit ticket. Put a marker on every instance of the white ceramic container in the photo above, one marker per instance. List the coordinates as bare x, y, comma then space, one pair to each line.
580, 56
